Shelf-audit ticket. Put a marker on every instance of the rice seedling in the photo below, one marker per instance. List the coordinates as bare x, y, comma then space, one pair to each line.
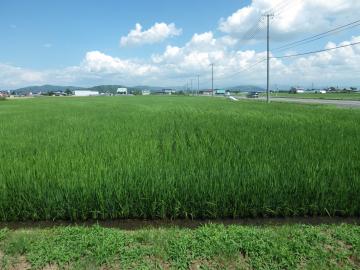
175, 157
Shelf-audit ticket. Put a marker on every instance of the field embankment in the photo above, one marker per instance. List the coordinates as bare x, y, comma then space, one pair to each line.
209, 247
176, 157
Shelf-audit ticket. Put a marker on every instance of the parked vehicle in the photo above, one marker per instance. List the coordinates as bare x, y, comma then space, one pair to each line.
253, 95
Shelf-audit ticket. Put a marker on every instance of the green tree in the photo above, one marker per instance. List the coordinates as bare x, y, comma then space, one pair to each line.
68, 92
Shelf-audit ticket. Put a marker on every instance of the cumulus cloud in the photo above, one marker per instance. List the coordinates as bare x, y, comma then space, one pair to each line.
157, 33
291, 17
177, 64
11, 76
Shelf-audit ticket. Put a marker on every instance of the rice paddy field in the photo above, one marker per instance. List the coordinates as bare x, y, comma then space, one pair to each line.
176, 157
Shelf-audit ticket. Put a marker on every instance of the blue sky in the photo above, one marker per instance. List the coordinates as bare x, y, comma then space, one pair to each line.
72, 28
96, 42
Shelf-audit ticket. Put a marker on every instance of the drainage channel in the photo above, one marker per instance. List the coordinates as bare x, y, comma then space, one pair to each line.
181, 223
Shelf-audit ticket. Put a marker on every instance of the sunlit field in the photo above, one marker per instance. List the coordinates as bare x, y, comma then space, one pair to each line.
176, 157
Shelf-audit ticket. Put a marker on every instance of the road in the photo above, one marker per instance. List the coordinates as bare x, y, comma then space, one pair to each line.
338, 103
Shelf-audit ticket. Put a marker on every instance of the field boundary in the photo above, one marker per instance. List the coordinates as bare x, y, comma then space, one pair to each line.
136, 224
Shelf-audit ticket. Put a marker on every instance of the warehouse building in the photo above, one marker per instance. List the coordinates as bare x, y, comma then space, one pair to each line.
85, 93
122, 91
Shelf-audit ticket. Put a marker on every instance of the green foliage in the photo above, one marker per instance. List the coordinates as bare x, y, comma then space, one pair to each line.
3, 233
68, 92
208, 247
176, 157
107, 88
49, 93
136, 92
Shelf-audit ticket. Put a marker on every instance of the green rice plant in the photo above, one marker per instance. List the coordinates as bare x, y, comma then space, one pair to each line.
176, 157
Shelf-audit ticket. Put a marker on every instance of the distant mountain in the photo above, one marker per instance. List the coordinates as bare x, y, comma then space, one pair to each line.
113, 88
247, 88
100, 88
45, 88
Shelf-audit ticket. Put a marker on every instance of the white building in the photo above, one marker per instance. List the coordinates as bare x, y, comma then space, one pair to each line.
297, 90
145, 92
122, 91
85, 93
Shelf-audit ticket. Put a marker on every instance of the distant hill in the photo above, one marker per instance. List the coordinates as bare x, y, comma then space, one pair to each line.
247, 88
100, 88
45, 88
113, 88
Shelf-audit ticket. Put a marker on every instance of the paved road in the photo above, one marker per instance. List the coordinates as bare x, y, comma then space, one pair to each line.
338, 103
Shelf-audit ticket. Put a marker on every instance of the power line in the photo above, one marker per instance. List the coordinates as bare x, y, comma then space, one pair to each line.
303, 43
283, 10
279, 8
251, 33
245, 69
318, 36
287, 56
255, 32
313, 52
258, 26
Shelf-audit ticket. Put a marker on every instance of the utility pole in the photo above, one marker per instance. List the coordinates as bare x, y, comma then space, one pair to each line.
191, 89
268, 59
212, 78
198, 90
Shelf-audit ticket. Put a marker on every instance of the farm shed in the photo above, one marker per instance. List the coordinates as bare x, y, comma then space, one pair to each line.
85, 93
122, 91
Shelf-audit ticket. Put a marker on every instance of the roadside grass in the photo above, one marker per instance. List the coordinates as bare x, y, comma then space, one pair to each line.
176, 157
208, 247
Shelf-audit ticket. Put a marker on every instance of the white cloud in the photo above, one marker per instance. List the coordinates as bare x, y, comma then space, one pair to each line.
292, 18
98, 62
178, 64
11, 76
157, 33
